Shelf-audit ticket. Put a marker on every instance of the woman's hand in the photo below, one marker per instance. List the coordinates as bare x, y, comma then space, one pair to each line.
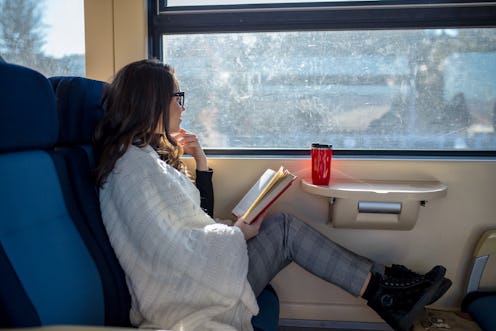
250, 230
191, 145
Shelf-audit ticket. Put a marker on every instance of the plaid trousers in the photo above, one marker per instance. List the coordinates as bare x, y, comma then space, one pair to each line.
283, 239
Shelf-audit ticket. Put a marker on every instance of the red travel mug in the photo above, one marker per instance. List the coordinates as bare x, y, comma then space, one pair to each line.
321, 164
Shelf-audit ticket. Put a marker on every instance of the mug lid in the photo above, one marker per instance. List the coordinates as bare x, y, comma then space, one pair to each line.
317, 145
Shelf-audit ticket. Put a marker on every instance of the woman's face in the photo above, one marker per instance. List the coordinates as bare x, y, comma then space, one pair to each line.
175, 112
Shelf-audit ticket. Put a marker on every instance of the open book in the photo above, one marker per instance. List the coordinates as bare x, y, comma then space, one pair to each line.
266, 190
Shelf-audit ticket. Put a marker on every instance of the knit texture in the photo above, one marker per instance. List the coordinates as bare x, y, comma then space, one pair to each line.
184, 271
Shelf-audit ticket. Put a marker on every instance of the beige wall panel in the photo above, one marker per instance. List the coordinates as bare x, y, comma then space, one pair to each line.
130, 31
99, 44
116, 34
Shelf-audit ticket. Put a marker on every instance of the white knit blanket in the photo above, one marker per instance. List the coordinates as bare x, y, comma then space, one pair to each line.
184, 271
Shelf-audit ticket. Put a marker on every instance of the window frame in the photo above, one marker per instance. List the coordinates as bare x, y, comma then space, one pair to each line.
339, 15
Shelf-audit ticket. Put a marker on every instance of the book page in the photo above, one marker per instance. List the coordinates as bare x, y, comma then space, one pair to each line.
272, 195
277, 176
253, 193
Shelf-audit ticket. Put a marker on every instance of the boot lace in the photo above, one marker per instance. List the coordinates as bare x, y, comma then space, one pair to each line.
402, 277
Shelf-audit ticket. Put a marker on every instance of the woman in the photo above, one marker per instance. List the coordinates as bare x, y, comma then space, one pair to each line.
187, 272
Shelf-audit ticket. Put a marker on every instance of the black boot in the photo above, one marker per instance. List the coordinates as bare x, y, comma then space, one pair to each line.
401, 297
400, 271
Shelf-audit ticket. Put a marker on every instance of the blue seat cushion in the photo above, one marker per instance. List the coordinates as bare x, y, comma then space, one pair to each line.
268, 318
44, 243
16, 309
482, 308
117, 297
79, 103
28, 115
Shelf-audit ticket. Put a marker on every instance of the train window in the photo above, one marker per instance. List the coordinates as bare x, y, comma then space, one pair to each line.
363, 78
46, 35
407, 89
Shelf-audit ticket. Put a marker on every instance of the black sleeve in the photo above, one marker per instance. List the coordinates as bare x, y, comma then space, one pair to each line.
204, 185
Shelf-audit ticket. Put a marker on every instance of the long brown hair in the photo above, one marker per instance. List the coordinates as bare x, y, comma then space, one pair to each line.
135, 102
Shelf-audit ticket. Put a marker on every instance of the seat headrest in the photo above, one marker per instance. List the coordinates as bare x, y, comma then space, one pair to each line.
79, 105
28, 114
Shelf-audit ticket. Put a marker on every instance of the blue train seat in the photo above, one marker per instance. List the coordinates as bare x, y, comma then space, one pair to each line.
58, 267
79, 110
478, 303
52, 267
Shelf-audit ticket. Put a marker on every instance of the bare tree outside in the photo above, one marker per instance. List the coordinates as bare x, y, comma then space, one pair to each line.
23, 36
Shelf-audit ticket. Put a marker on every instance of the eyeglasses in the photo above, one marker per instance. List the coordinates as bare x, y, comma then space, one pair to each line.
180, 96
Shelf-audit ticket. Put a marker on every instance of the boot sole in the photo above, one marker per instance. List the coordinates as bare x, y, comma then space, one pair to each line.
406, 322
445, 285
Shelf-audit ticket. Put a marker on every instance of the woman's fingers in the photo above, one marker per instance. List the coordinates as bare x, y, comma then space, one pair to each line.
191, 145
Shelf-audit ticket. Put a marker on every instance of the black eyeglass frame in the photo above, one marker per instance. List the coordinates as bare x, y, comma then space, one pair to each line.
181, 99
